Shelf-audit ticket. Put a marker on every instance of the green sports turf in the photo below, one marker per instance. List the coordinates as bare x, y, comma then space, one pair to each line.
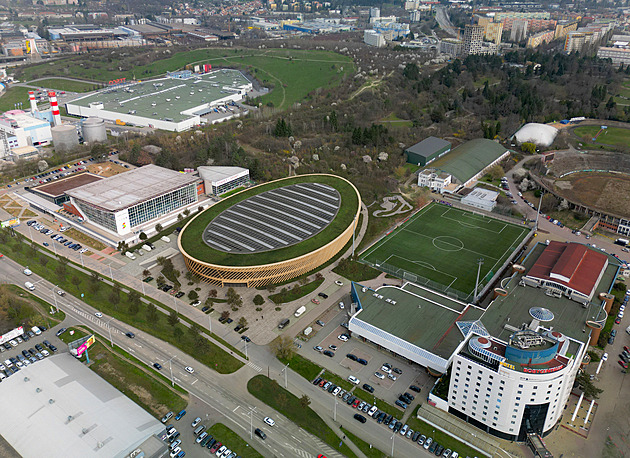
611, 136
443, 244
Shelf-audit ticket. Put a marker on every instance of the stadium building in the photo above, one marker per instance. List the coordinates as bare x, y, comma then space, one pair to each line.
177, 103
272, 232
55, 192
427, 151
465, 164
219, 180
129, 202
510, 367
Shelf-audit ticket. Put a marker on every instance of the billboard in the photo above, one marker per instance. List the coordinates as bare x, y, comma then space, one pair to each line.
207, 68
13, 222
78, 347
11, 335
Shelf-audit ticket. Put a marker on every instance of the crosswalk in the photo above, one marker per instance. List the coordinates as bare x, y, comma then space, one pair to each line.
253, 366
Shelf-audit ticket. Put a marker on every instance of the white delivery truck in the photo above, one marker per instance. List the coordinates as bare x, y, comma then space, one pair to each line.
300, 311
29, 286
165, 239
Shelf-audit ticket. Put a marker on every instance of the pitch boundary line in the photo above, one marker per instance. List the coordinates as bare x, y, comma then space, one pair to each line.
509, 250
387, 237
472, 215
465, 249
434, 269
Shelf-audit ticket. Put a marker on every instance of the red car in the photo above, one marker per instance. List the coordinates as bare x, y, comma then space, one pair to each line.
617, 320
322, 383
626, 348
216, 447
321, 456
356, 403
622, 364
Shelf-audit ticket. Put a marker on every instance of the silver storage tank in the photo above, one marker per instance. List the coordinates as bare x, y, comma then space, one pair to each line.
94, 130
65, 137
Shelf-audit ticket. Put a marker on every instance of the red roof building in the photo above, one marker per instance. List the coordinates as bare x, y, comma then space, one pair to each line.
572, 268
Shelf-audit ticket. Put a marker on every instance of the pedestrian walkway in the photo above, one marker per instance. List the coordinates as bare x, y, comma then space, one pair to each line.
463, 432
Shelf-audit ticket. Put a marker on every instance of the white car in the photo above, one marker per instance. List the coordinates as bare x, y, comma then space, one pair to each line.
392, 377
269, 421
604, 356
341, 306
379, 375
372, 411
13, 343
336, 391
175, 451
189, 369
338, 283
342, 338
353, 379
196, 422
386, 369
98, 315
45, 353
221, 450
620, 314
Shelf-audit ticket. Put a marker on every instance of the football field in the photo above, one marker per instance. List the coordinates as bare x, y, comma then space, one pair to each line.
443, 244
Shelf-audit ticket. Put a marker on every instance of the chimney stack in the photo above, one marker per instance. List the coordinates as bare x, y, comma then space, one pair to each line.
31, 97
52, 96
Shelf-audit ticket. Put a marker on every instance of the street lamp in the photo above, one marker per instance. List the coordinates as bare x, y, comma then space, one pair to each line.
110, 331
81, 254
55, 296
251, 422
171, 368
393, 436
110, 271
285, 374
175, 302
335, 411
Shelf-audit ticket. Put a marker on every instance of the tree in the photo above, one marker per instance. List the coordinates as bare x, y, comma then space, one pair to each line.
258, 300
143, 236
225, 314
587, 386
122, 246
152, 313
189, 276
186, 212
178, 333
283, 347
305, 401
242, 321
528, 147
61, 271
113, 297
496, 172
43, 260
193, 296
133, 298
213, 293
173, 318
158, 228
76, 281
146, 273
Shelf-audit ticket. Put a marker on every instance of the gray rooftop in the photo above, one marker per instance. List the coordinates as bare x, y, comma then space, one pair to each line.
218, 173
172, 98
274, 219
60, 408
126, 189
420, 316
428, 146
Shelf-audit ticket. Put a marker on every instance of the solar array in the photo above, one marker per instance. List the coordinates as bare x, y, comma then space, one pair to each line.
274, 219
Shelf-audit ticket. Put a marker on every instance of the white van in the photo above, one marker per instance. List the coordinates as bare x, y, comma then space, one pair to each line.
36, 330
28, 272
300, 311
146, 247
29, 286
165, 239
130, 255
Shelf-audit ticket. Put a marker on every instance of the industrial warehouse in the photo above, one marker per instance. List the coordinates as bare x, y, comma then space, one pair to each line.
178, 102
524, 348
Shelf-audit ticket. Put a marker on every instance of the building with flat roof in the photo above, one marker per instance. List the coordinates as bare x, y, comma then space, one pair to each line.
218, 180
473, 37
55, 191
74, 412
426, 151
18, 129
178, 102
436, 181
469, 161
482, 198
510, 367
121, 204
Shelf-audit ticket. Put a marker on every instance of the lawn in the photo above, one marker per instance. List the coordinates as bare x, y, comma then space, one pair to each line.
193, 243
441, 437
65, 85
289, 405
104, 297
30, 310
610, 136
355, 271
121, 370
307, 369
337, 380
298, 291
233, 441
294, 73
443, 244
367, 449
394, 121
85, 239
13, 95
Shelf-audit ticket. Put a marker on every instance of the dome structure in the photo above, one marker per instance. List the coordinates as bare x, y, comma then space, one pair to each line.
540, 134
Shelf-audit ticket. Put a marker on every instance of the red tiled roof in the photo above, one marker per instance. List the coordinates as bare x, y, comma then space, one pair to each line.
573, 261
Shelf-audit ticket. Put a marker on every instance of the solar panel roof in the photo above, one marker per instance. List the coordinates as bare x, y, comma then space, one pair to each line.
274, 219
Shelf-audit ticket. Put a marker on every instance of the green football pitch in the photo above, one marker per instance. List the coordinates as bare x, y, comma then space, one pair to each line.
443, 244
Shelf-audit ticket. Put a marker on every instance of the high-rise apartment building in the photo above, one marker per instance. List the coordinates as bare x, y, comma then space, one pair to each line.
473, 38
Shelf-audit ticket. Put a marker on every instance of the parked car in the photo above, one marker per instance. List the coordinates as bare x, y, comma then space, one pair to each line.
323, 295
368, 388
360, 418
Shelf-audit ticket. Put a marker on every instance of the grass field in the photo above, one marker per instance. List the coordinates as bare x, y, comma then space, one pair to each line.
611, 136
14, 95
233, 441
294, 73
443, 244
59, 84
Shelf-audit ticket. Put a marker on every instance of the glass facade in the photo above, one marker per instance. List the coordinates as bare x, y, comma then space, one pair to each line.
96, 215
162, 205
240, 181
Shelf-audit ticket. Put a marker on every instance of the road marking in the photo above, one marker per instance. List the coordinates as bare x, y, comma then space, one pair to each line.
194, 382
253, 366
235, 408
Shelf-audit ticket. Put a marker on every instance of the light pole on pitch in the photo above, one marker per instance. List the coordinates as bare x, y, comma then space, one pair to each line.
110, 332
